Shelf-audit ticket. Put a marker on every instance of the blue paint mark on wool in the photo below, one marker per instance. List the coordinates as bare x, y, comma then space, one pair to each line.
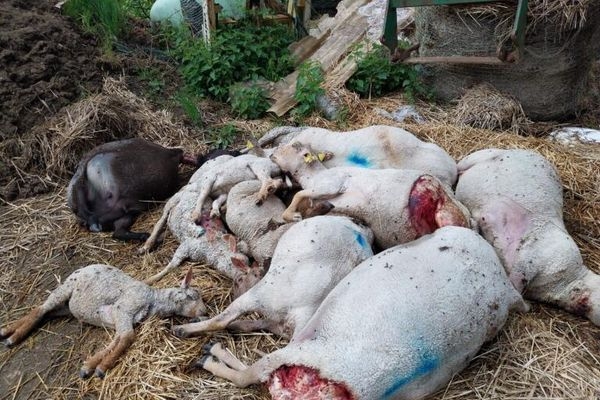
427, 363
360, 239
358, 159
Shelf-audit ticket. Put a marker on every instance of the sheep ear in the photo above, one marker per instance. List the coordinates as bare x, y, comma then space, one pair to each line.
185, 283
239, 264
230, 239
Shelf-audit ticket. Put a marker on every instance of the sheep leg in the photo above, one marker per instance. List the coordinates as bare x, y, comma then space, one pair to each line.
241, 305
181, 254
268, 184
159, 227
125, 341
241, 378
290, 214
251, 325
20, 328
206, 186
104, 359
216, 205
224, 355
122, 231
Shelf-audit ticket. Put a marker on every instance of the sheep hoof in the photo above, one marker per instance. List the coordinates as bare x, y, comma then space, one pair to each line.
202, 360
99, 373
85, 373
208, 347
178, 331
8, 343
143, 250
297, 217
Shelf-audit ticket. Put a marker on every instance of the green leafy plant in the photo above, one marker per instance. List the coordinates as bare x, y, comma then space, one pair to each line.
308, 87
138, 8
188, 103
236, 54
103, 18
376, 76
223, 137
248, 101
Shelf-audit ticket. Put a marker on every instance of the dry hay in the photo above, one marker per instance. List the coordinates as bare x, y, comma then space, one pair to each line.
562, 15
484, 107
546, 353
115, 113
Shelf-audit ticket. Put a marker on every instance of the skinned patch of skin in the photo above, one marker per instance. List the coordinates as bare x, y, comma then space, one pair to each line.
212, 226
430, 207
580, 302
301, 382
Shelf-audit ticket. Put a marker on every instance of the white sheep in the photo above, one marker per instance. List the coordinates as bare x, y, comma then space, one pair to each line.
516, 198
399, 326
224, 172
257, 227
102, 295
377, 146
309, 260
398, 205
207, 242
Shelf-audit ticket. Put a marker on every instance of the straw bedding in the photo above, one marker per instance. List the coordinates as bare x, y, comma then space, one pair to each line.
544, 354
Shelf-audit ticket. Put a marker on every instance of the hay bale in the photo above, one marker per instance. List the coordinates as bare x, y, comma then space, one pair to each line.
549, 81
115, 113
484, 107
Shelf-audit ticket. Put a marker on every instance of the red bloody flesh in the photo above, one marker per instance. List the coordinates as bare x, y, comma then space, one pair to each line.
424, 200
212, 226
304, 383
580, 303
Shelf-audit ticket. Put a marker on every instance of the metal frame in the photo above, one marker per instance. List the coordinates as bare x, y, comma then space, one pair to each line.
390, 32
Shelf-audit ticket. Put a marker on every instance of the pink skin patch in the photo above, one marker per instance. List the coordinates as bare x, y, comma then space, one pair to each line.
212, 226
298, 382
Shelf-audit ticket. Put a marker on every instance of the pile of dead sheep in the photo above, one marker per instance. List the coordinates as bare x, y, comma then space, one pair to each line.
386, 263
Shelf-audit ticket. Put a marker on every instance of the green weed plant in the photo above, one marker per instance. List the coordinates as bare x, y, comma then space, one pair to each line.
236, 53
248, 100
103, 18
308, 88
376, 76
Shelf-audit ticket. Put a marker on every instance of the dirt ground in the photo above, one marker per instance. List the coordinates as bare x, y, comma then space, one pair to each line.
46, 63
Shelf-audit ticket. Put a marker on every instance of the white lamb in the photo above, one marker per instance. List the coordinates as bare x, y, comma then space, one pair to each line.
102, 295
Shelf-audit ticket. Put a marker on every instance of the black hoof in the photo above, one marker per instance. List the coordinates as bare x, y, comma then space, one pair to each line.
202, 360
99, 373
85, 373
208, 347
8, 343
179, 332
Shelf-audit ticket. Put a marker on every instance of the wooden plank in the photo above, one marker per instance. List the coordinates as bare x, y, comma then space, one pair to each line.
454, 60
346, 29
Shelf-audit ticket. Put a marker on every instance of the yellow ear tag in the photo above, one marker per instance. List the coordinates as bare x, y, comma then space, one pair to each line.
321, 156
309, 158
249, 145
